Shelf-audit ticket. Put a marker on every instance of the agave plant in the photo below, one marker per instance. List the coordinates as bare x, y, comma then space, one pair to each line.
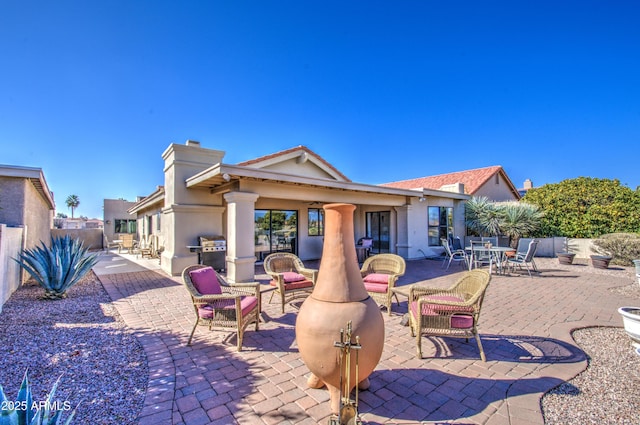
28, 412
58, 267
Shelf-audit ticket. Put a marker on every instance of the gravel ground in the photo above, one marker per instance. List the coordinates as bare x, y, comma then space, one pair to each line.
103, 367
608, 391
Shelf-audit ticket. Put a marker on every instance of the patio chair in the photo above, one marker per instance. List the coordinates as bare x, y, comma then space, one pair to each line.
363, 248
525, 259
219, 304
453, 255
380, 273
289, 276
452, 312
143, 247
127, 242
107, 244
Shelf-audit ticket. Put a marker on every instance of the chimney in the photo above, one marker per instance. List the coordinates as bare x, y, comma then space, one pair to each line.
528, 184
193, 143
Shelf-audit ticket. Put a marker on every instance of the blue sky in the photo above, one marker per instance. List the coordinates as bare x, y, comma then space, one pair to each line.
93, 92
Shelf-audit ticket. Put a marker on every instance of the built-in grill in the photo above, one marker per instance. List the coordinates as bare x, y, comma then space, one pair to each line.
213, 250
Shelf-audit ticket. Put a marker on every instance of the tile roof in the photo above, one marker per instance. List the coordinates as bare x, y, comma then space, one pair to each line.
472, 180
300, 148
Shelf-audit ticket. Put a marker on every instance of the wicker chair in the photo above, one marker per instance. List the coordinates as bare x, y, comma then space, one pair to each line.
219, 304
289, 276
380, 273
452, 312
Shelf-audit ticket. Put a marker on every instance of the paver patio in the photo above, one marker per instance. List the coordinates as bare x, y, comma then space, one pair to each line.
525, 329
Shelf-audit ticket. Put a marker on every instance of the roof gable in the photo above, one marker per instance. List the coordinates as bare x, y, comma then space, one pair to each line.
299, 160
473, 180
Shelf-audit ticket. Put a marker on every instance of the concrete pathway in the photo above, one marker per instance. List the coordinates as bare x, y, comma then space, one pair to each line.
525, 328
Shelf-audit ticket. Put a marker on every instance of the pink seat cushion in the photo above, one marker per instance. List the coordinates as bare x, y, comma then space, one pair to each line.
377, 278
294, 285
247, 304
206, 281
289, 277
376, 287
458, 321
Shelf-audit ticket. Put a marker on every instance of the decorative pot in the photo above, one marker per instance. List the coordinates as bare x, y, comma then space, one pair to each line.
631, 322
600, 261
565, 257
637, 264
339, 296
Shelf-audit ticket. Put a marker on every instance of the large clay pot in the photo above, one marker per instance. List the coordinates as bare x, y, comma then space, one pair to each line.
339, 296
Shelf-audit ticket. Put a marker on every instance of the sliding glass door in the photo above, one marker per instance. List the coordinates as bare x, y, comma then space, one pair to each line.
275, 231
378, 229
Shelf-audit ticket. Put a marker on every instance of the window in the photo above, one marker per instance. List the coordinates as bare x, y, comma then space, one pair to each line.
158, 215
316, 222
440, 224
124, 225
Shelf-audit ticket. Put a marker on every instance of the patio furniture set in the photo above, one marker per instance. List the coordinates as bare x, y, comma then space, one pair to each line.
451, 312
487, 252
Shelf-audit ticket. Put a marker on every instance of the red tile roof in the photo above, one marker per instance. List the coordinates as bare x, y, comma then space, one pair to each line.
472, 180
288, 151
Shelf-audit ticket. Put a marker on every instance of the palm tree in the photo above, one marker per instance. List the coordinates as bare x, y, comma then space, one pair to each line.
72, 202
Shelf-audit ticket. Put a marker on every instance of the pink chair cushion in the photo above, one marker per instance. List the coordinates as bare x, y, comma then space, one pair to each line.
289, 277
376, 287
206, 281
377, 278
247, 304
458, 321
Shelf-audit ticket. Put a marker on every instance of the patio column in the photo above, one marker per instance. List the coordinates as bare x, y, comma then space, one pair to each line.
240, 236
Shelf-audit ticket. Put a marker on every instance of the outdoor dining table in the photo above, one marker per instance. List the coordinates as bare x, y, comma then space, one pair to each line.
496, 251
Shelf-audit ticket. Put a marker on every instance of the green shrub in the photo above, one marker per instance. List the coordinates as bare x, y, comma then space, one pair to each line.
29, 412
59, 267
622, 247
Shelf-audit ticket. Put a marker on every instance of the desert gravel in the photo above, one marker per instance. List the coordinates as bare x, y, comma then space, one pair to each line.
81, 338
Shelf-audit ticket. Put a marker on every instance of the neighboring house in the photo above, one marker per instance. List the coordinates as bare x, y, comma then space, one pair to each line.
26, 201
26, 217
528, 185
491, 182
117, 219
274, 203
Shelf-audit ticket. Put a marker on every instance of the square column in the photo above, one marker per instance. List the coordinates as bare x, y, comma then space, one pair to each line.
240, 236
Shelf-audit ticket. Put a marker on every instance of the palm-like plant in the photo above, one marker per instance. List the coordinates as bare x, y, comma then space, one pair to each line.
513, 219
72, 202
519, 219
58, 267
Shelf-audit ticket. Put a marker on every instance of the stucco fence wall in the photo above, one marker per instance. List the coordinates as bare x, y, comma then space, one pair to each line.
10, 247
547, 247
92, 238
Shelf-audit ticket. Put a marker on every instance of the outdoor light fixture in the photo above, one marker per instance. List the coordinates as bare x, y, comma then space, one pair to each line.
421, 199
226, 177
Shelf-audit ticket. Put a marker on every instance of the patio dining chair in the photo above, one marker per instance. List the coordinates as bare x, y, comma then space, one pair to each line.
481, 256
219, 304
380, 274
452, 312
525, 259
289, 276
453, 255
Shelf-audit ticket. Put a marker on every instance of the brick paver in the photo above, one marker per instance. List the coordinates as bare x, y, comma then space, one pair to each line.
525, 328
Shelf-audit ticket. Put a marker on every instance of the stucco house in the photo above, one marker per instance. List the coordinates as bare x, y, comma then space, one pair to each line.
274, 203
491, 182
26, 218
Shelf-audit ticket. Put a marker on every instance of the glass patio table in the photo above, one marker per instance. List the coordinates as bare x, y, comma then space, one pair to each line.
497, 252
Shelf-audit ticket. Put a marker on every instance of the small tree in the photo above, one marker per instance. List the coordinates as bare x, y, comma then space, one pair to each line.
513, 219
72, 202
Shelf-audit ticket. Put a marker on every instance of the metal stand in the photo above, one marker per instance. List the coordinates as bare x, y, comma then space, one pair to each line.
348, 414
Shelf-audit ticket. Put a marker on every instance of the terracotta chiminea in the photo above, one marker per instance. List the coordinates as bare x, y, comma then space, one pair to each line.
338, 297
